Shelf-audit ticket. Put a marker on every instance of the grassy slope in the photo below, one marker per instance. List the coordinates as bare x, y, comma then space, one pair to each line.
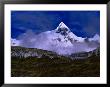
61, 67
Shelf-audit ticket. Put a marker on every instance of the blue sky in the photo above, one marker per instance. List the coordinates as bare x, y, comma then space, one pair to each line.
81, 23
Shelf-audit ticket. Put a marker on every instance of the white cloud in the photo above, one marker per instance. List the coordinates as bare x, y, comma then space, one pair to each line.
46, 41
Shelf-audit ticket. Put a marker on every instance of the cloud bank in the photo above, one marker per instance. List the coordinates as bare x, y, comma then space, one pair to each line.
44, 41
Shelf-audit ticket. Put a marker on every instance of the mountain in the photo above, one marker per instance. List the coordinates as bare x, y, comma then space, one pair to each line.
33, 62
22, 52
15, 42
60, 40
96, 37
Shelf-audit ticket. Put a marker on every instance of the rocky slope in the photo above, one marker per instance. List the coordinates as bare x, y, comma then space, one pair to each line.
22, 52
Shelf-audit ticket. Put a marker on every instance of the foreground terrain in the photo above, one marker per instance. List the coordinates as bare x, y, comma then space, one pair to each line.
55, 67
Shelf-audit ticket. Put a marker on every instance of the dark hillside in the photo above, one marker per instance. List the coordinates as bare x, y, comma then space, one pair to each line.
52, 65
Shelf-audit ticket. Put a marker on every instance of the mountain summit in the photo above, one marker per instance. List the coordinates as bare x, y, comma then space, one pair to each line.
60, 40
63, 29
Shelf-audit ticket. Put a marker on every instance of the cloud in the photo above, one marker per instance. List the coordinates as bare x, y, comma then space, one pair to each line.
27, 27
44, 41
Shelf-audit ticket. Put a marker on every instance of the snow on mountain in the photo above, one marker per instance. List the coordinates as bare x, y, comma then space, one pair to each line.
61, 40
15, 42
96, 37
62, 28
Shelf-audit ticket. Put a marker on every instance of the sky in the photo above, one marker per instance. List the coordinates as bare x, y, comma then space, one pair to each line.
81, 23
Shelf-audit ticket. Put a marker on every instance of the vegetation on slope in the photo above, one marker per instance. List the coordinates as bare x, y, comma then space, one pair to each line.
59, 66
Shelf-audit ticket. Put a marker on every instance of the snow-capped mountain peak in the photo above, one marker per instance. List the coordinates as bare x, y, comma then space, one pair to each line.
62, 25
62, 28
96, 37
60, 40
